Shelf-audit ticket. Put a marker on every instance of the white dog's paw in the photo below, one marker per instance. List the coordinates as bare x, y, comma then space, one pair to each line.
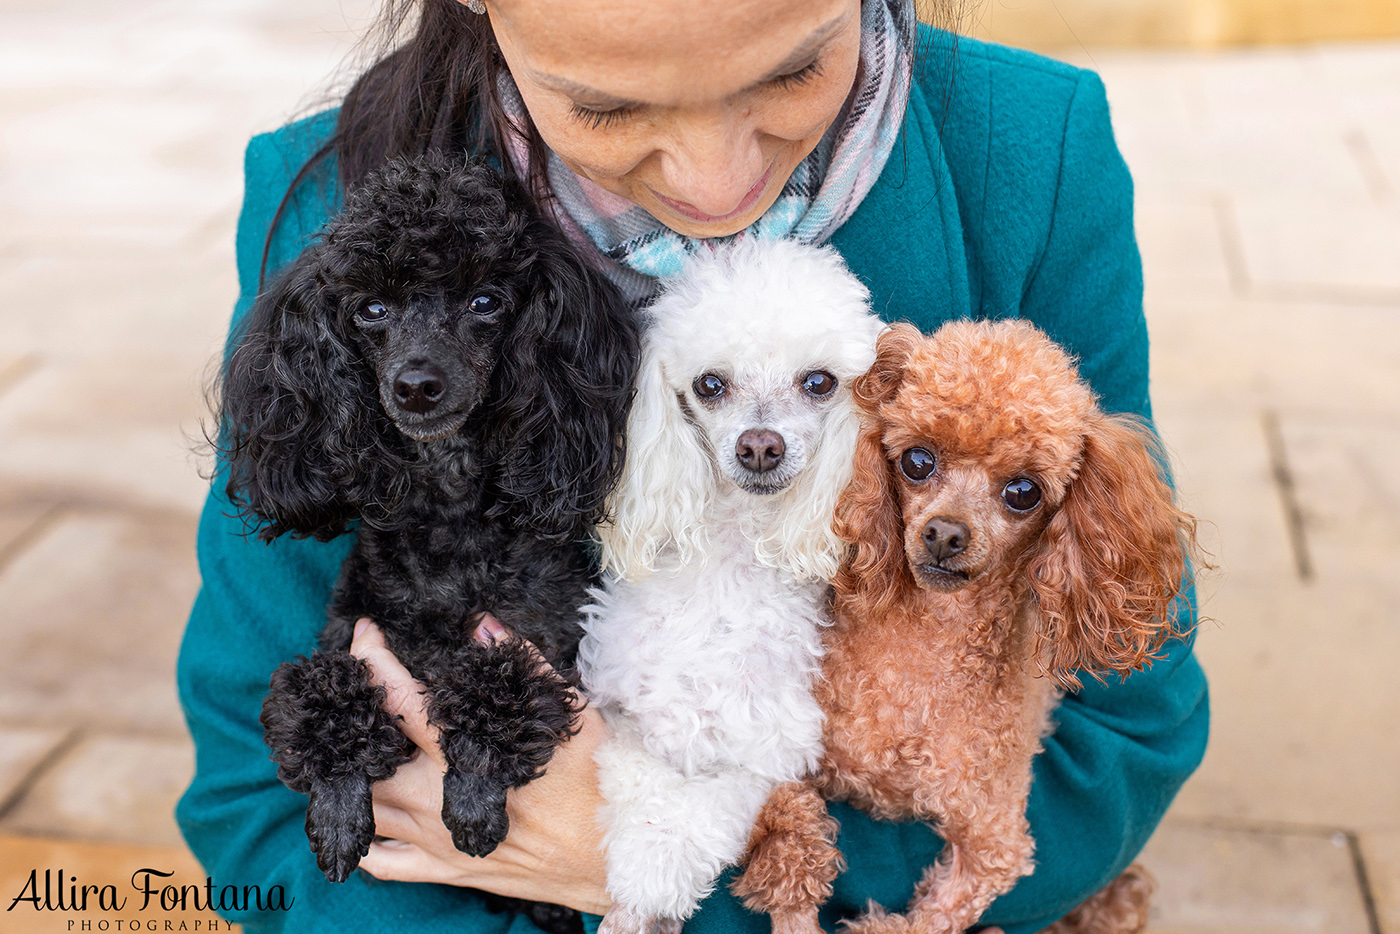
623, 920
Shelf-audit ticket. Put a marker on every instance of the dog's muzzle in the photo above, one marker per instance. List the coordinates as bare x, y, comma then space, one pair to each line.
425, 401
419, 389
944, 538
760, 452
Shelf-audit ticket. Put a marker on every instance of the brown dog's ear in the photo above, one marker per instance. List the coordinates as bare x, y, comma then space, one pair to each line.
1112, 559
868, 513
879, 384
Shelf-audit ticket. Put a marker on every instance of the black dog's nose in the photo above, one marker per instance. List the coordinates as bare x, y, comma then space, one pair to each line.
419, 387
944, 537
760, 450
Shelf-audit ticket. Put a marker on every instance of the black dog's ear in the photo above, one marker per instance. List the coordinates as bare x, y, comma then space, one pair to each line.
295, 438
563, 386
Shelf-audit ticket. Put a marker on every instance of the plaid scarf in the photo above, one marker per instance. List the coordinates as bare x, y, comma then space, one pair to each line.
822, 193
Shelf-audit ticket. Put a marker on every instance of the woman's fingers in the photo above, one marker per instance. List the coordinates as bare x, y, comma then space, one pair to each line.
405, 693
400, 862
415, 787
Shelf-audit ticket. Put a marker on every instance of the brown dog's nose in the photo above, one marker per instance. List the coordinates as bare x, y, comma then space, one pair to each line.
760, 450
944, 537
419, 388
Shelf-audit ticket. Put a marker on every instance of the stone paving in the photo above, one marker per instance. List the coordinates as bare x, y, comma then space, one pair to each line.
1269, 217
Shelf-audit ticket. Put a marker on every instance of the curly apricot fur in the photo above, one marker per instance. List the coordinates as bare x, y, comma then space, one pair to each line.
935, 687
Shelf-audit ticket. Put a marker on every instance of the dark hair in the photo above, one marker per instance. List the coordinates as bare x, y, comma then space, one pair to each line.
433, 85
434, 89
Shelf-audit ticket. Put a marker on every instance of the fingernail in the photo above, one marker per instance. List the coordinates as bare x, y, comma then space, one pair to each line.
360, 627
489, 630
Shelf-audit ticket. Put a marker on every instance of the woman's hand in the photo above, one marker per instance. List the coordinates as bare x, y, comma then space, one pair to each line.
553, 852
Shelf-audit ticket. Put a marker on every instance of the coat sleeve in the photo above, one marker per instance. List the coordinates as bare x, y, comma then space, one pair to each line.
260, 605
1120, 750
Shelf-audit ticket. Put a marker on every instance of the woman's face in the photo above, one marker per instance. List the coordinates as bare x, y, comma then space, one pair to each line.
697, 110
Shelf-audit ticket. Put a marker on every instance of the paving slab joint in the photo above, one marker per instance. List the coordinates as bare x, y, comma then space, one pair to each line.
1227, 225
1288, 495
17, 370
31, 778
31, 534
1363, 881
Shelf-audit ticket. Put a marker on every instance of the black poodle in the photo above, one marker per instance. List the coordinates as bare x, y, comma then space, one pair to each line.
443, 367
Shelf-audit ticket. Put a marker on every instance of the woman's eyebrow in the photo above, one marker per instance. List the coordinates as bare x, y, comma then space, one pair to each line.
802, 55
799, 58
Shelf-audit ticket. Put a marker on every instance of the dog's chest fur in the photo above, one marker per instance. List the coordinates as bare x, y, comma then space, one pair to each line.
713, 663
942, 692
440, 560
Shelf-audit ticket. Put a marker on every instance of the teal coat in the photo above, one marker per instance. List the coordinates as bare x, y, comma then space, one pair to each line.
1006, 197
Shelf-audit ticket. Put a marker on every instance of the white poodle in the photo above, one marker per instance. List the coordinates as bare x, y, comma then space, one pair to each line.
702, 650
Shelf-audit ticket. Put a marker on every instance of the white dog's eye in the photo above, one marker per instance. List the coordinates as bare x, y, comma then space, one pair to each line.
709, 386
372, 311
819, 383
917, 464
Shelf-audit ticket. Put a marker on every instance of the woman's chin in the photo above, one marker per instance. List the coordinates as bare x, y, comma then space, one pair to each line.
687, 225
691, 228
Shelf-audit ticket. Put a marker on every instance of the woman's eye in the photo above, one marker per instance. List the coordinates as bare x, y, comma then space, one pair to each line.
709, 386
819, 383
372, 311
917, 464
1021, 494
599, 119
485, 304
800, 76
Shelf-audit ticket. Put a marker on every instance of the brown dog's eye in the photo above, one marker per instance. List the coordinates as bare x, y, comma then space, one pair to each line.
917, 464
372, 311
709, 386
1021, 494
819, 383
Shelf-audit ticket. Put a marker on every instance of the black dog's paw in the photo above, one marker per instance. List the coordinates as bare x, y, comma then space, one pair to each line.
474, 810
340, 825
552, 919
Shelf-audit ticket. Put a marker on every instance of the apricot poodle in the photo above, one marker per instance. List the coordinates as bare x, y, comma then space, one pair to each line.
1008, 536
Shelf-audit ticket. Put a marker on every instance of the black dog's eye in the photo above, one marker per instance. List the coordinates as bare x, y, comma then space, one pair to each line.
709, 386
917, 464
372, 311
485, 304
819, 383
1021, 494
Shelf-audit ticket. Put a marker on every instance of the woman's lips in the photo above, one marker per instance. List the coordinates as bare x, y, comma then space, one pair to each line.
691, 212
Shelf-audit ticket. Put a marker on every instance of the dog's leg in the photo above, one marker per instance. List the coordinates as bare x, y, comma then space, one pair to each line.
792, 859
982, 858
668, 835
326, 726
501, 713
1118, 908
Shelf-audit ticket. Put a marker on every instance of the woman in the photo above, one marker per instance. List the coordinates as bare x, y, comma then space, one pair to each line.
982, 182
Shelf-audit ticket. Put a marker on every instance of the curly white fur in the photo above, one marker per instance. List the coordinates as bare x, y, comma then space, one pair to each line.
702, 651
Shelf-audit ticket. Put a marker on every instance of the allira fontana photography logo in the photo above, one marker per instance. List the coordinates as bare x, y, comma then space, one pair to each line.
145, 903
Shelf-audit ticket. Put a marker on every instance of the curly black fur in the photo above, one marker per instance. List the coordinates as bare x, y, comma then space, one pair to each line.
441, 366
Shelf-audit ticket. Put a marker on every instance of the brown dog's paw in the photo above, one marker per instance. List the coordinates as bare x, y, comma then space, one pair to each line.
877, 921
796, 921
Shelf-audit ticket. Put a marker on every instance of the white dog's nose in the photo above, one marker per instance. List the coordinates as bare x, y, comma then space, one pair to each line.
760, 449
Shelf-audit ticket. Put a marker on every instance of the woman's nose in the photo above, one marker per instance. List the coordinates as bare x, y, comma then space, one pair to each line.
713, 161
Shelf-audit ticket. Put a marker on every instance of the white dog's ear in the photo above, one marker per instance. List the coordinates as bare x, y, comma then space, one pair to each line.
667, 481
804, 541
